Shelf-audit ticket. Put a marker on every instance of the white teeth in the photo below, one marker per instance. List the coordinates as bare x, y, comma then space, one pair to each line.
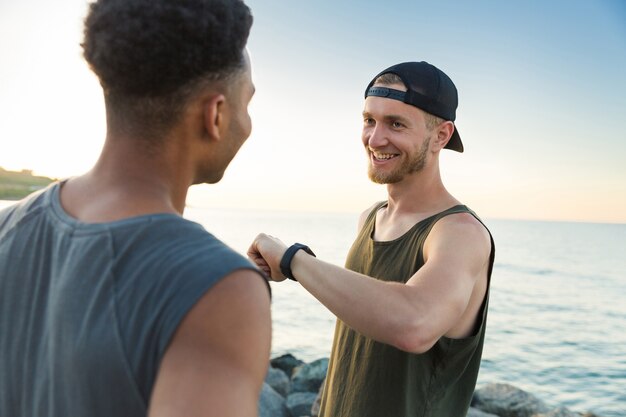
383, 155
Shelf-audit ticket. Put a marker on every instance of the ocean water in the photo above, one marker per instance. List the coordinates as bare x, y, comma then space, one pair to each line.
557, 318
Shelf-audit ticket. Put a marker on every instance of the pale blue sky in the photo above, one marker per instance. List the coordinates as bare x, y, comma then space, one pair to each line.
542, 96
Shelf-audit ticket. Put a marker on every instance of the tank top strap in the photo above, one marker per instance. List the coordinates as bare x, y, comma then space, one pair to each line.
371, 217
377, 207
465, 209
432, 220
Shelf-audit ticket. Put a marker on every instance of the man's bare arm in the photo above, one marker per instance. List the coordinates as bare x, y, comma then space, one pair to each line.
218, 358
410, 316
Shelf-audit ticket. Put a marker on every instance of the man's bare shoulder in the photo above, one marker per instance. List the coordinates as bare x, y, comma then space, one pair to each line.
461, 230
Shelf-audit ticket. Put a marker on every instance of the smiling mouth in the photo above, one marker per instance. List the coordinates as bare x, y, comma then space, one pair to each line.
379, 156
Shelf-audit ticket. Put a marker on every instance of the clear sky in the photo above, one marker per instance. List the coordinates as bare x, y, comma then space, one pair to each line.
542, 101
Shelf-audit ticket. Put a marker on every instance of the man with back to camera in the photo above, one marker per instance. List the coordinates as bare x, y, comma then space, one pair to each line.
112, 304
412, 301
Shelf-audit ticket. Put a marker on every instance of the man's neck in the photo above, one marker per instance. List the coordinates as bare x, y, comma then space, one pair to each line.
410, 201
126, 182
422, 192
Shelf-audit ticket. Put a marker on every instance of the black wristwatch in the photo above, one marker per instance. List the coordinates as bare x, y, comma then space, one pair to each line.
285, 262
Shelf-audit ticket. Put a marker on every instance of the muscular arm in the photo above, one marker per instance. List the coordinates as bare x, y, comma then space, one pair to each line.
411, 316
218, 358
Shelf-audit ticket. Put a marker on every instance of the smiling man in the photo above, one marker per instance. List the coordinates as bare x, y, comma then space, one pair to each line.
412, 301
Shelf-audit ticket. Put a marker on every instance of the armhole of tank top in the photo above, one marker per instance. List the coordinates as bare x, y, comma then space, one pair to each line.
485, 304
492, 251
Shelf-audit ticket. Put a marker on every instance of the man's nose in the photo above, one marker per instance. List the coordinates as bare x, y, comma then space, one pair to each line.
377, 137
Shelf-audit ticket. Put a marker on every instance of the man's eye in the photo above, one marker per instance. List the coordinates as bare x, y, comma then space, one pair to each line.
368, 121
397, 125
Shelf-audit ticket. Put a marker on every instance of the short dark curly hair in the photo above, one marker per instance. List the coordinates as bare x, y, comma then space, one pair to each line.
148, 54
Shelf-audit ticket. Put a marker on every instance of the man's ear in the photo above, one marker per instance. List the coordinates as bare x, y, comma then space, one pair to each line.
214, 117
444, 133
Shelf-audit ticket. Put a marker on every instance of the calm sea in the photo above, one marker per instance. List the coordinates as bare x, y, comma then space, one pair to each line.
557, 319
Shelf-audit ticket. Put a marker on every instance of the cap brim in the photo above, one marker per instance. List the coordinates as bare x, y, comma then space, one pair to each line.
455, 143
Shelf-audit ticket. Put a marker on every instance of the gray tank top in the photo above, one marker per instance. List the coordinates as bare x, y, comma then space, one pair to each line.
87, 310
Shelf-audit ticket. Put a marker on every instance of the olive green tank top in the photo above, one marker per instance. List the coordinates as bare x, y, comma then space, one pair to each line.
371, 379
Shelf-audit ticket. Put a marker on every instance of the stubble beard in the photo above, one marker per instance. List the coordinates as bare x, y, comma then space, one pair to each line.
410, 165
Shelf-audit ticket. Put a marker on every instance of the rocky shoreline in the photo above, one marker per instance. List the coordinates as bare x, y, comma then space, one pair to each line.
292, 388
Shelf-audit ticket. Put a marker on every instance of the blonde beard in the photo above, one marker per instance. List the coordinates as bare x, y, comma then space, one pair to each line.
411, 164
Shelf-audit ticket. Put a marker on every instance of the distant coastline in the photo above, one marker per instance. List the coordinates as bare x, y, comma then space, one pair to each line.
15, 185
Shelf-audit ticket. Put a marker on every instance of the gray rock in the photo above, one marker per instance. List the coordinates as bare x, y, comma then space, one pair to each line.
299, 403
558, 412
475, 412
271, 404
309, 377
278, 380
286, 363
506, 400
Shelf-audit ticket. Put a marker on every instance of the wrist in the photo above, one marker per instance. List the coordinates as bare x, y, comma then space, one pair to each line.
285, 262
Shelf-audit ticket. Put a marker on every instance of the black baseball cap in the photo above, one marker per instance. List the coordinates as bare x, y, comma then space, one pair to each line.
428, 88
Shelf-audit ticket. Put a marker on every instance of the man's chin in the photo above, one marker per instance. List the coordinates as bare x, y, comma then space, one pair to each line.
213, 178
379, 178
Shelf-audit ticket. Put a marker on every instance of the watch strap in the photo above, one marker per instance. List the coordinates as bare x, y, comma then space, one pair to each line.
285, 262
